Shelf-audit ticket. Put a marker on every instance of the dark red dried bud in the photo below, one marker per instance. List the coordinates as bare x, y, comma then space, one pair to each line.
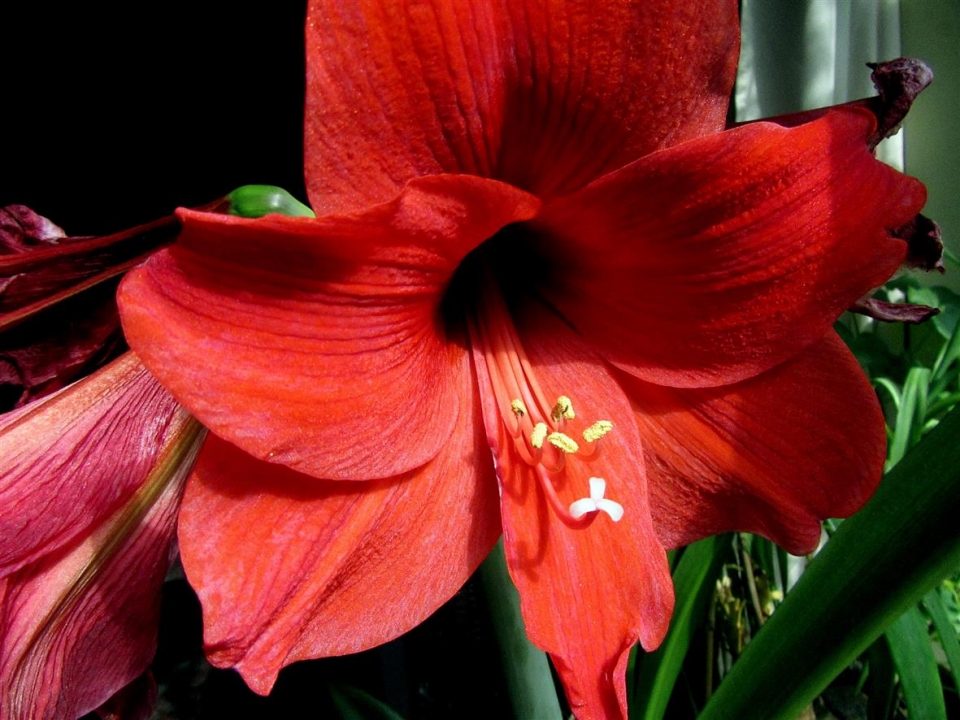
59, 345
45, 271
58, 312
924, 246
898, 82
21, 229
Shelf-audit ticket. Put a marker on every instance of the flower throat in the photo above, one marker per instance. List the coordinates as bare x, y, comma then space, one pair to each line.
491, 279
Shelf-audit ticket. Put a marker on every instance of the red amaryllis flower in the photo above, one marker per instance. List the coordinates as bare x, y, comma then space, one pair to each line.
534, 238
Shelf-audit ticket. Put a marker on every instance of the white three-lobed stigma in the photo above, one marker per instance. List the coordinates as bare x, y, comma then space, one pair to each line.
597, 502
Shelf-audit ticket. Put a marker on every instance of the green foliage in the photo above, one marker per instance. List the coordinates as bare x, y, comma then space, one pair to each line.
352, 703
946, 631
530, 685
655, 674
913, 657
877, 565
916, 370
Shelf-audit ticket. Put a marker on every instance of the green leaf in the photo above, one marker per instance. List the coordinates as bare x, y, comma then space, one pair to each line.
882, 679
891, 388
912, 654
949, 303
949, 353
772, 559
874, 355
354, 704
940, 297
910, 414
945, 630
529, 681
878, 564
693, 583
253, 201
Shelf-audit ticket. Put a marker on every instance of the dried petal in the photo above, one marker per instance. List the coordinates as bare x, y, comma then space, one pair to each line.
899, 82
894, 312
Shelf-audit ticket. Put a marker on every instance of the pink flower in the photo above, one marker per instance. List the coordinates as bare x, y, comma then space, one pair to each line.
91, 483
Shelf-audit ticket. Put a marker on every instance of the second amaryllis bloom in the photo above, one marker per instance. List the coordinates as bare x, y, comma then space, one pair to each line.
89, 493
546, 294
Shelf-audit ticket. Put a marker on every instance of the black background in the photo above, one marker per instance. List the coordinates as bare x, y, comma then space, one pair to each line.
112, 114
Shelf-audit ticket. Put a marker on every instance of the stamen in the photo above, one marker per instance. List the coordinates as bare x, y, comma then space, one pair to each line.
563, 442
563, 409
538, 435
521, 404
507, 349
597, 502
597, 430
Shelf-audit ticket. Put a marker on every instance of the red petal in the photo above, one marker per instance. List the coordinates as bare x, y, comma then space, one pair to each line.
80, 623
288, 567
773, 455
587, 595
545, 95
316, 343
57, 482
713, 261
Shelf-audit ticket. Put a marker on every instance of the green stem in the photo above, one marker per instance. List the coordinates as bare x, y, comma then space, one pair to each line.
529, 681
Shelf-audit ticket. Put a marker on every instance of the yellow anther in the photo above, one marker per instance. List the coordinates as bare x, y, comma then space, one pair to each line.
563, 442
597, 430
563, 409
538, 435
519, 409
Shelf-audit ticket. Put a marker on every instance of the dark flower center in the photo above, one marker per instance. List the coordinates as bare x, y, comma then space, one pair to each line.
511, 257
479, 306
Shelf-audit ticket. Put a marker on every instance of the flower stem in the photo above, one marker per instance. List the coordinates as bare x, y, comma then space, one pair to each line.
527, 671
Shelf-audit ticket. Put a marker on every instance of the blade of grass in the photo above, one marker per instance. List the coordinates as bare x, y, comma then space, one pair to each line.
877, 565
912, 654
